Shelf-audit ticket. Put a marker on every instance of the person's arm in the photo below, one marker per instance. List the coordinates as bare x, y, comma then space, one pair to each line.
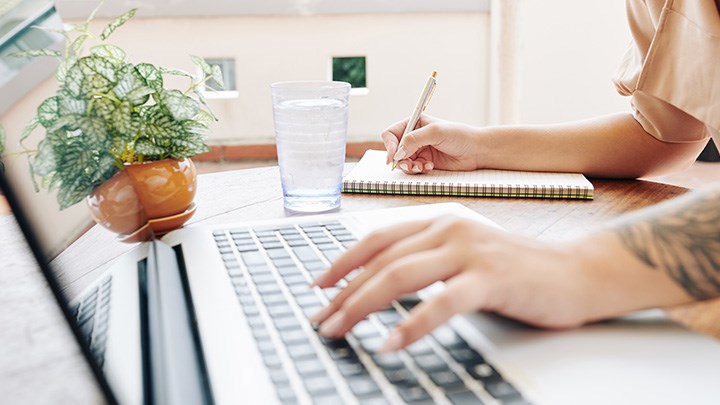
614, 146
665, 255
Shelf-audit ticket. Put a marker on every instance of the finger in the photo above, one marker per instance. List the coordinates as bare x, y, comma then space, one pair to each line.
461, 294
336, 303
366, 249
391, 138
405, 275
417, 166
417, 242
411, 142
406, 166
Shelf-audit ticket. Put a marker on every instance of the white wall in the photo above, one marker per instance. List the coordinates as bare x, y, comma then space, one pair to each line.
568, 52
401, 51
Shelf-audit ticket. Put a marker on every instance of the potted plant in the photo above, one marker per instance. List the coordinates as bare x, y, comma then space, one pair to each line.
116, 137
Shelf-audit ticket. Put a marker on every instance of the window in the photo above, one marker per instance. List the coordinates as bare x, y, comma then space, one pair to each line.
229, 90
350, 69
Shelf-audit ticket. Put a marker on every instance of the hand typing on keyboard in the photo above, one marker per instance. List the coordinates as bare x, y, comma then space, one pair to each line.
551, 285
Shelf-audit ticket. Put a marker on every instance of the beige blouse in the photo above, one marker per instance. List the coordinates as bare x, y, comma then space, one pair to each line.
672, 68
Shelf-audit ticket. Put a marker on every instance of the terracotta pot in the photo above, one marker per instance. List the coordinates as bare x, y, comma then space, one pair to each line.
157, 195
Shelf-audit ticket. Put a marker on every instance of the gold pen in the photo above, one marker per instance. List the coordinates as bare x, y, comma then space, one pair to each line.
422, 103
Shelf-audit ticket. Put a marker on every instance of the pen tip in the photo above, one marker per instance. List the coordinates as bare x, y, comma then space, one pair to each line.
394, 165
434, 74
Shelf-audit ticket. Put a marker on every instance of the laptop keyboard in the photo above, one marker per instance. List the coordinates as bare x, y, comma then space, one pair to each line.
271, 268
92, 315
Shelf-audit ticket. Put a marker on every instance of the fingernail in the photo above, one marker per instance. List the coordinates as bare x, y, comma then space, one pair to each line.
416, 169
320, 315
400, 154
404, 166
428, 166
332, 326
393, 342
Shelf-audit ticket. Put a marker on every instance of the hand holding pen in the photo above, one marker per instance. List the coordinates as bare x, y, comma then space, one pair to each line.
422, 143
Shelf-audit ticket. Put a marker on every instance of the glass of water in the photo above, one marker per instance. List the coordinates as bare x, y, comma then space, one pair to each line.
311, 120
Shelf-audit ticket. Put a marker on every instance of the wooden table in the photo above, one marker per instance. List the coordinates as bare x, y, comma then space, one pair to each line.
40, 363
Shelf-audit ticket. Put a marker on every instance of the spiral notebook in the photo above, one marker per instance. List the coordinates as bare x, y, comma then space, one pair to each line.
372, 175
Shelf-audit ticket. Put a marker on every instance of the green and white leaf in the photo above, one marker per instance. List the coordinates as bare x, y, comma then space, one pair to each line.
68, 122
204, 118
108, 52
69, 105
179, 105
101, 66
204, 67
201, 97
104, 108
49, 111
127, 83
29, 128
95, 85
140, 95
95, 133
77, 43
3, 137
76, 27
44, 161
217, 76
105, 169
69, 195
147, 148
117, 23
65, 65
175, 72
33, 53
73, 81
151, 74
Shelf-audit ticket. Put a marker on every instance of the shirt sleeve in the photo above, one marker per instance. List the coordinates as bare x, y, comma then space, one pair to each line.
671, 68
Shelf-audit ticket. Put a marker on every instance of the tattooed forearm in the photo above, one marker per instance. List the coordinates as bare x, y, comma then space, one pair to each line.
681, 238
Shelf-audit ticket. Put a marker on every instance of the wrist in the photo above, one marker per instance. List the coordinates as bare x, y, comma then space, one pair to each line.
614, 282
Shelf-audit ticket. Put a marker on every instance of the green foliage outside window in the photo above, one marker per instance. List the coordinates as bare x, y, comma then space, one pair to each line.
351, 70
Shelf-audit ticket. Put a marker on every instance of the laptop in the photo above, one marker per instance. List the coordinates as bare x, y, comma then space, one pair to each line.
219, 315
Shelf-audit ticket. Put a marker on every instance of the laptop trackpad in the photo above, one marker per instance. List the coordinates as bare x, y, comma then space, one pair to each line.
619, 361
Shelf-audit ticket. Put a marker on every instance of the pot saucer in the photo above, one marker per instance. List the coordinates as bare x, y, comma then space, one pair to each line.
159, 226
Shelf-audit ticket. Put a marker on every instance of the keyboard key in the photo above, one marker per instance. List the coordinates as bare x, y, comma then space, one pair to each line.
466, 356
279, 376
277, 253
502, 390
464, 397
327, 398
446, 379
246, 247
272, 360
287, 323
266, 346
389, 317
365, 329
319, 384
413, 394
448, 338
388, 361
308, 300
263, 278
371, 345
305, 254
363, 386
285, 392
280, 311
484, 372
402, 376
309, 366
420, 347
270, 288
350, 366
301, 351
430, 362
293, 279
274, 299
252, 258
294, 336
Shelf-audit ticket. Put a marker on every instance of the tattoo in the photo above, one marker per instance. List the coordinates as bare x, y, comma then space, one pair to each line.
682, 238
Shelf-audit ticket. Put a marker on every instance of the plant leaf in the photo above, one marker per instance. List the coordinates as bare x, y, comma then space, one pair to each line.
69, 195
179, 105
97, 65
77, 43
95, 133
44, 161
76, 27
151, 74
175, 72
200, 62
33, 53
108, 52
139, 96
125, 122
116, 23
203, 101
204, 118
127, 83
147, 148
65, 65
104, 108
217, 76
2, 140
29, 128
49, 111
73, 82
69, 105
